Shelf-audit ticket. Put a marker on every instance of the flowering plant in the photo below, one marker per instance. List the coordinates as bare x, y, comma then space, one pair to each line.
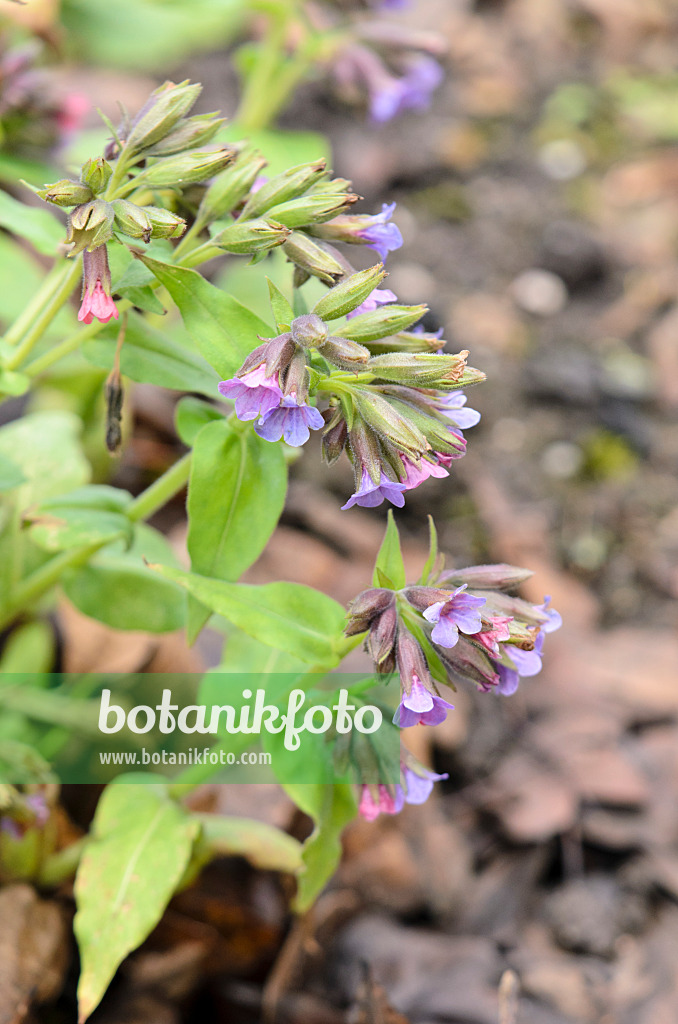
166, 196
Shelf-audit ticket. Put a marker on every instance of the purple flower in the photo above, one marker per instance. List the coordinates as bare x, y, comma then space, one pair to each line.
381, 236
452, 407
411, 92
369, 494
459, 612
421, 706
382, 801
527, 663
255, 394
419, 783
416, 474
292, 420
379, 297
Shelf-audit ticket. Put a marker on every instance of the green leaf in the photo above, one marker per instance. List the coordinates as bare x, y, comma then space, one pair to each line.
10, 474
332, 808
117, 588
144, 298
245, 655
288, 616
390, 559
152, 357
46, 446
282, 311
85, 516
266, 847
430, 563
140, 846
224, 331
36, 224
229, 523
191, 415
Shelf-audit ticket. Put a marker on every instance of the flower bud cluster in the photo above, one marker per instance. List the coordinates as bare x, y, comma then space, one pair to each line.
462, 626
398, 414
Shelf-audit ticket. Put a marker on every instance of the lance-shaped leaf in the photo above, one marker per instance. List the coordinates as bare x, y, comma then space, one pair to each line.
390, 560
140, 846
331, 808
224, 331
289, 616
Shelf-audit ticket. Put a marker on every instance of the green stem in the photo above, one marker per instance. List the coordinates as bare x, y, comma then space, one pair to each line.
59, 867
253, 111
162, 491
61, 295
64, 348
40, 581
37, 303
35, 585
186, 242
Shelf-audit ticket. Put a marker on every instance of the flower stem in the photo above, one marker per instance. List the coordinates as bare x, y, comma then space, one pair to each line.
37, 303
69, 278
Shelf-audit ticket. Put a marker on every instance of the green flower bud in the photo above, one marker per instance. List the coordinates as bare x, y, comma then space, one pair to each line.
487, 577
419, 369
185, 168
96, 174
348, 295
132, 220
164, 108
163, 223
386, 420
187, 134
65, 193
310, 209
229, 187
289, 185
407, 341
312, 258
378, 323
346, 354
251, 237
309, 331
90, 226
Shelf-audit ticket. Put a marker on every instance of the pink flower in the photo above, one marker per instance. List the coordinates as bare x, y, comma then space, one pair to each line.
417, 473
96, 288
491, 635
379, 800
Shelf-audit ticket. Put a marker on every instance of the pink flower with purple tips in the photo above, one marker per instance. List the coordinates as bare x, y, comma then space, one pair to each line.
254, 393
417, 473
382, 801
459, 612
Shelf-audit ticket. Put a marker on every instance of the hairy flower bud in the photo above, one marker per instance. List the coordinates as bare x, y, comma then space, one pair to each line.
96, 174
312, 258
251, 236
349, 294
334, 439
164, 108
66, 193
289, 185
366, 608
418, 369
346, 354
310, 209
381, 640
387, 320
309, 331
229, 187
90, 226
487, 577
132, 220
163, 223
188, 133
185, 168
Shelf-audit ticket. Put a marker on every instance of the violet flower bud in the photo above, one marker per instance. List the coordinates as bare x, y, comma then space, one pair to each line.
309, 330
